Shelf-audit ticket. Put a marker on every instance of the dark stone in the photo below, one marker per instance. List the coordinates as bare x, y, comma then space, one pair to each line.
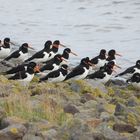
86, 97
75, 87
132, 103
98, 136
119, 110
71, 109
124, 128
116, 82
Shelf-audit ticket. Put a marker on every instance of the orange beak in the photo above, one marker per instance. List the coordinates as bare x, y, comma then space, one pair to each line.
62, 45
30, 47
12, 43
62, 58
37, 68
114, 71
118, 66
90, 64
118, 54
73, 53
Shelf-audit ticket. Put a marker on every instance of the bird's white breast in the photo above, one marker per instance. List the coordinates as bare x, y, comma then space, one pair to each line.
23, 56
4, 52
105, 79
82, 76
60, 78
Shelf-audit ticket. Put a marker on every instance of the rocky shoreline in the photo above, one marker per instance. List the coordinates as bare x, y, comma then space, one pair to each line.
73, 110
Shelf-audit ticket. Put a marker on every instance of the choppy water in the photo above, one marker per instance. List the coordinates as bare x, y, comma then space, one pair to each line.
84, 25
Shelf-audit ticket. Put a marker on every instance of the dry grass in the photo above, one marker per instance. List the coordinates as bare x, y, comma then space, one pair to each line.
34, 109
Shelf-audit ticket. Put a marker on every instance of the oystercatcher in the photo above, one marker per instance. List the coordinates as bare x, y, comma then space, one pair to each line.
5, 48
99, 60
26, 76
55, 48
135, 80
104, 74
130, 71
20, 55
53, 65
19, 68
81, 71
57, 75
42, 55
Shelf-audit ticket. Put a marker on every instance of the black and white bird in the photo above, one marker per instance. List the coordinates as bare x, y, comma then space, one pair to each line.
130, 71
26, 76
19, 68
100, 60
55, 46
53, 65
57, 75
103, 75
20, 55
42, 55
5, 48
135, 80
81, 71
66, 54
111, 56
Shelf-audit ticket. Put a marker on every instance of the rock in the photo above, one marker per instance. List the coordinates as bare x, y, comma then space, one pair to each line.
86, 97
136, 136
110, 108
132, 102
85, 114
84, 136
117, 82
74, 130
108, 133
94, 84
98, 136
124, 128
71, 109
2, 113
119, 110
90, 104
75, 86
49, 134
13, 132
12, 120
32, 137
105, 116
93, 122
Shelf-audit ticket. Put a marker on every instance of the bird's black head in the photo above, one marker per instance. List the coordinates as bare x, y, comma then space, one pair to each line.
58, 58
47, 44
25, 45
56, 42
66, 53
32, 64
86, 61
136, 78
64, 66
112, 52
103, 52
109, 69
138, 64
67, 50
32, 67
7, 40
111, 64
